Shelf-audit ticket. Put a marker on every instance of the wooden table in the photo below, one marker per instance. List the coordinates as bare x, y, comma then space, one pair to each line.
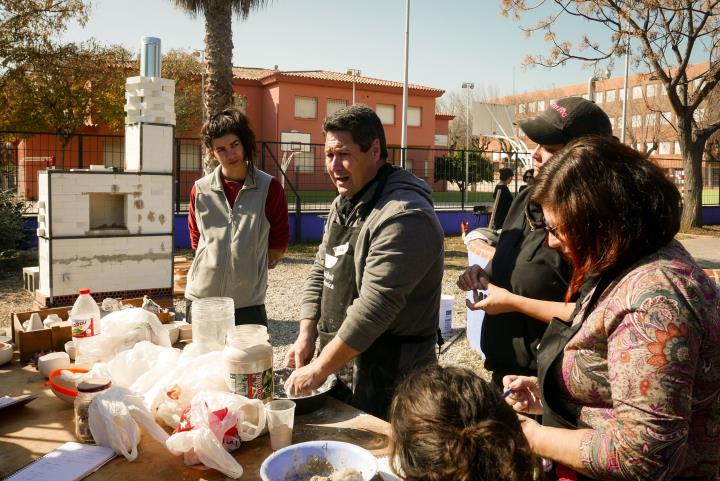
29, 432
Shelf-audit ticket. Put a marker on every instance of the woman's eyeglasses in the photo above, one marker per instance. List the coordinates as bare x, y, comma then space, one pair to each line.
536, 219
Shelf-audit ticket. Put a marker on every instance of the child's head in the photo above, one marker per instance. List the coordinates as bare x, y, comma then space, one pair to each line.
449, 424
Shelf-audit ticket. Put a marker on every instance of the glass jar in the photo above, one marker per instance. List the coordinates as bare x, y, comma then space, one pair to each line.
87, 390
248, 362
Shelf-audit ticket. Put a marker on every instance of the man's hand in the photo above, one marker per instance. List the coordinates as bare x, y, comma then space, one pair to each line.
304, 379
274, 256
524, 394
303, 349
474, 277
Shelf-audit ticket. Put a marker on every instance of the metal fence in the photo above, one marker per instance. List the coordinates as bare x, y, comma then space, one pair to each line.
300, 167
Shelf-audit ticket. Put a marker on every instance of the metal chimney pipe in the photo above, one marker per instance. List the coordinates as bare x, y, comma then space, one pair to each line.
150, 57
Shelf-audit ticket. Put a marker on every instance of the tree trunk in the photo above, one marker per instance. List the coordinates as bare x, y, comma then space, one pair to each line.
692, 188
218, 57
218, 94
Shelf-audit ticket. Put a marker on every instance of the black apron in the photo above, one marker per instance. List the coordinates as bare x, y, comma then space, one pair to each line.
367, 382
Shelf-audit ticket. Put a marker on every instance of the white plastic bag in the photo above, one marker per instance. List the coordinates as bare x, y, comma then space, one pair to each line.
219, 421
174, 392
114, 415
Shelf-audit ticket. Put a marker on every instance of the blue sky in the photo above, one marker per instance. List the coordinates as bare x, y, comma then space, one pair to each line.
463, 40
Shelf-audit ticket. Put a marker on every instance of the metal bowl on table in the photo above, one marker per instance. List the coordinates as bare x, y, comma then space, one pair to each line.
303, 404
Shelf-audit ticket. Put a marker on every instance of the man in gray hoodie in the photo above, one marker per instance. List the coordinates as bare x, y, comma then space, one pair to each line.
373, 294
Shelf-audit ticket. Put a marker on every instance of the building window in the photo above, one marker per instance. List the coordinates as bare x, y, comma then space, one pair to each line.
677, 148
649, 146
441, 140
541, 105
114, 154
599, 97
304, 162
637, 121
531, 107
621, 94
305, 108
637, 92
240, 102
610, 96
189, 156
521, 108
585, 96
699, 115
664, 148
414, 117
386, 112
650, 119
650, 90
333, 105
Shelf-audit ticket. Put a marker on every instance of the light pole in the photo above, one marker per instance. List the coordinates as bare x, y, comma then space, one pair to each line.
468, 86
625, 90
355, 73
406, 50
201, 53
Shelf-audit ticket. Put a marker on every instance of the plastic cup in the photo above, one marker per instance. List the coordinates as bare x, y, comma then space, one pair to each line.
281, 419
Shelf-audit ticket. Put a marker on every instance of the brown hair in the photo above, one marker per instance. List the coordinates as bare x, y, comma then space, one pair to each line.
613, 205
231, 121
449, 424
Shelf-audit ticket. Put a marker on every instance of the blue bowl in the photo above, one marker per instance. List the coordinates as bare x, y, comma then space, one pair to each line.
281, 465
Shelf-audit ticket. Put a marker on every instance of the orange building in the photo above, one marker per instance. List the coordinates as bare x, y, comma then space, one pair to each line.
650, 120
286, 110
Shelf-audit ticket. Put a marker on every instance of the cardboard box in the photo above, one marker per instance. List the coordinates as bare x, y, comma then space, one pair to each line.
54, 339
42, 340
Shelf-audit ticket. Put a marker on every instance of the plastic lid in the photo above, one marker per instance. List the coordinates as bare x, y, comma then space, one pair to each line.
84, 291
95, 384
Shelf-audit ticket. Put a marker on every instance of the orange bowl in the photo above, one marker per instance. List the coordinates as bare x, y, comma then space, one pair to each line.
65, 390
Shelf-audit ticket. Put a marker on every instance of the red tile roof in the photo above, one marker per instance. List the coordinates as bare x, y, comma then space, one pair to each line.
261, 73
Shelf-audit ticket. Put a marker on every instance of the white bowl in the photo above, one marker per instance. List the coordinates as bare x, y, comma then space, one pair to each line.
53, 361
71, 349
282, 464
6, 352
173, 331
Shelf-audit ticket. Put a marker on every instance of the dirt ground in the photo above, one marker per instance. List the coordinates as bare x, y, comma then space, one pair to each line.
282, 300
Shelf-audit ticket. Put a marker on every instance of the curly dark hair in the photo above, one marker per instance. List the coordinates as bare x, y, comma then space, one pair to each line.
449, 424
231, 121
363, 124
614, 206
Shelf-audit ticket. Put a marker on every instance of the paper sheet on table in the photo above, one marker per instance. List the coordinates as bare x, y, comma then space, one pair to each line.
475, 318
69, 462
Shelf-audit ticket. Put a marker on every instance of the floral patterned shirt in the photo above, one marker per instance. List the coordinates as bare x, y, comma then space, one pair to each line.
643, 372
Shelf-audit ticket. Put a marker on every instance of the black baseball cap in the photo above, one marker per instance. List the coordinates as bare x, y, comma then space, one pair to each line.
566, 119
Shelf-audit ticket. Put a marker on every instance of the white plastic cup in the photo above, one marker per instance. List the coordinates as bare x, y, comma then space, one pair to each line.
281, 419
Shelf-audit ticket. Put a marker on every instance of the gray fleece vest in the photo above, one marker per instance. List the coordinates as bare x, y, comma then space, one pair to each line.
232, 253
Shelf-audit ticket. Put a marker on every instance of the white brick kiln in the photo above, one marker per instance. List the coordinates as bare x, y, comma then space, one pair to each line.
112, 232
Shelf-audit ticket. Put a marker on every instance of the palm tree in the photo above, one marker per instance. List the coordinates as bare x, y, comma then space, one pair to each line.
218, 45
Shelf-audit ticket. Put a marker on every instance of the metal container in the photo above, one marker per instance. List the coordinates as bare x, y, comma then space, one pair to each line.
303, 404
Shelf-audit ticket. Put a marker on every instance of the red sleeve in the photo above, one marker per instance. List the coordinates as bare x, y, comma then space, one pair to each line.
276, 211
192, 222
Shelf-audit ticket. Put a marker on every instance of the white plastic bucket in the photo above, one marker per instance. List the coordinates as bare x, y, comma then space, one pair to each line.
446, 309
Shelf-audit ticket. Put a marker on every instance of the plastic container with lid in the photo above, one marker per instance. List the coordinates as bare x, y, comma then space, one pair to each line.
85, 318
211, 319
248, 362
86, 392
